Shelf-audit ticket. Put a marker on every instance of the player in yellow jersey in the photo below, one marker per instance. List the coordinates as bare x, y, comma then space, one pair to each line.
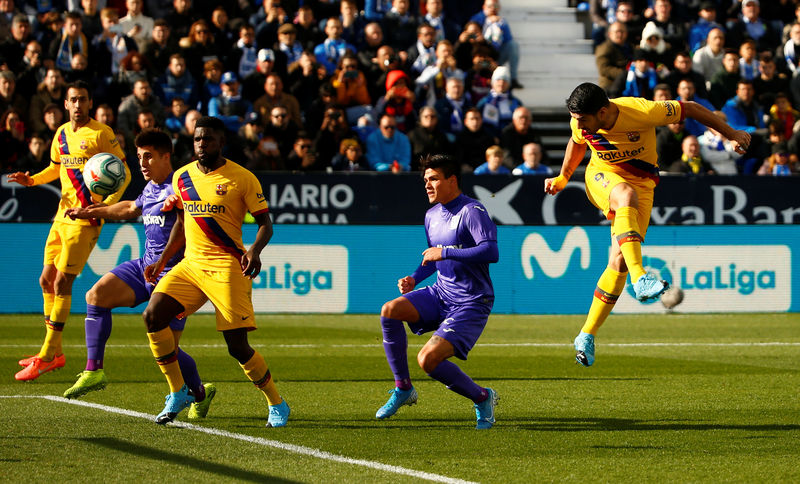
620, 180
70, 241
215, 194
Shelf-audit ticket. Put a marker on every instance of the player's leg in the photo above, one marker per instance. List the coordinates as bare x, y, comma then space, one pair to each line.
606, 293
48, 295
456, 336
203, 393
257, 371
395, 341
109, 292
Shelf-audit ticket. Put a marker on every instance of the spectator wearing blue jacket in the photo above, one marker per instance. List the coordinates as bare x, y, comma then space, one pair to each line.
706, 22
176, 82
745, 114
387, 148
329, 52
641, 78
686, 93
494, 163
497, 107
497, 32
229, 106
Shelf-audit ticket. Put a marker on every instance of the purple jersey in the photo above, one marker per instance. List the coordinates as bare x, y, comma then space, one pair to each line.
461, 224
157, 224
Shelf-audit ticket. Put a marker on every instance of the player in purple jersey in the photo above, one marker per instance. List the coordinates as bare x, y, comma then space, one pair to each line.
462, 242
125, 284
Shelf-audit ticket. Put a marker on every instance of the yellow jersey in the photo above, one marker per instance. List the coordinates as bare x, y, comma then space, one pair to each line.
68, 153
214, 207
631, 143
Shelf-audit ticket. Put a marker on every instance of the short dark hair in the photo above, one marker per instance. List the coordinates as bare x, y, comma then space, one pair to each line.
212, 123
155, 138
446, 163
79, 84
587, 98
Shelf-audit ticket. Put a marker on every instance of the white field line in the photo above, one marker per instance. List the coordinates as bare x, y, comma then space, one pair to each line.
496, 345
296, 449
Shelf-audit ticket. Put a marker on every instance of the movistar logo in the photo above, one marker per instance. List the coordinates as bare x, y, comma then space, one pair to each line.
202, 208
554, 262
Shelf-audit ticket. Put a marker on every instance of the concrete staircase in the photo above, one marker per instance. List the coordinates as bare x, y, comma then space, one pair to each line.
555, 56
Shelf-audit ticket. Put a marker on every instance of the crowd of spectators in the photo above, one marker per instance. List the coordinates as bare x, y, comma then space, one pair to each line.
300, 85
738, 58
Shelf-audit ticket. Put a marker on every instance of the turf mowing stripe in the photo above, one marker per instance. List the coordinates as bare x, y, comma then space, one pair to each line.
502, 345
297, 449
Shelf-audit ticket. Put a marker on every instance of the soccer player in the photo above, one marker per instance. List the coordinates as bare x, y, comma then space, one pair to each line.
462, 242
620, 180
69, 242
215, 194
125, 286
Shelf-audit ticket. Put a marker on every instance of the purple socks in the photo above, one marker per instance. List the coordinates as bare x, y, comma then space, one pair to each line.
98, 329
395, 344
456, 380
191, 376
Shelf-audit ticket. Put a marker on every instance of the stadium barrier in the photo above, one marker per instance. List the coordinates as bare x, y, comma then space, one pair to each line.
542, 270
399, 199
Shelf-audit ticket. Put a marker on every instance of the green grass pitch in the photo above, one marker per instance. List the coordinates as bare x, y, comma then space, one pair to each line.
676, 398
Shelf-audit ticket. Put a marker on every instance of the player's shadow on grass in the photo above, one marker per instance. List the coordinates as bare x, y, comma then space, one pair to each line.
617, 424
224, 471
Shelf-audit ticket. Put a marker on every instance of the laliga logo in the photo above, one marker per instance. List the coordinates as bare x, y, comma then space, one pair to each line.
659, 267
554, 262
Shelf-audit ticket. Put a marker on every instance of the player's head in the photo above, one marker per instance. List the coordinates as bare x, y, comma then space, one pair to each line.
442, 175
78, 102
154, 150
209, 138
588, 104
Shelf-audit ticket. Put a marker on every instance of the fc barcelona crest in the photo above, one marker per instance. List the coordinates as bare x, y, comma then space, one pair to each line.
633, 136
83, 144
222, 189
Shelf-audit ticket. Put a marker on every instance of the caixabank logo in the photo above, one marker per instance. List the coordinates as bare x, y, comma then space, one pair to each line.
719, 278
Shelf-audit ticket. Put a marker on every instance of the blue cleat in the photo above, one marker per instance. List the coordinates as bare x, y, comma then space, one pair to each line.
398, 399
484, 411
648, 287
278, 415
175, 402
584, 348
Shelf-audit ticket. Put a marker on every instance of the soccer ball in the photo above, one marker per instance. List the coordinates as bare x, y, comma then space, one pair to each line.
672, 297
104, 174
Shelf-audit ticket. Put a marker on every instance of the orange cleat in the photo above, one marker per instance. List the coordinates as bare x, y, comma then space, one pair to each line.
38, 367
27, 360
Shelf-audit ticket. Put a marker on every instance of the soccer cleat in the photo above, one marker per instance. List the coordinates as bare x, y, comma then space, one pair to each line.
398, 399
174, 403
278, 415
584, 349
648, 287
38, 367
27, 360
200, 409
88, 381
484, 411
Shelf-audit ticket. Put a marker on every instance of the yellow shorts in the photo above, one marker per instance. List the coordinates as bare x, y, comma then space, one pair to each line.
229, 292
600, 181
68, 246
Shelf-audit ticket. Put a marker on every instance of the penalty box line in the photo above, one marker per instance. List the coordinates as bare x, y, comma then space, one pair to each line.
276, 444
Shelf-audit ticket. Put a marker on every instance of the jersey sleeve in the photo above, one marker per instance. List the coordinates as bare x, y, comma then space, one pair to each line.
254, 196
139, 202
662, 112
577, 134
479, 224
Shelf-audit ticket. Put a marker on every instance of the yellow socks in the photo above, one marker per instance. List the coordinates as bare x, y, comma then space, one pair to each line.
608, 289
257, 371
59, 310
162, 344
626, 228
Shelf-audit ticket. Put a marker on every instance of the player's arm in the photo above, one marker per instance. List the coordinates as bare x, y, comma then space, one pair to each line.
572, 159
177, 239
124, 210
740, 139
251, 260
45, 176
486, 251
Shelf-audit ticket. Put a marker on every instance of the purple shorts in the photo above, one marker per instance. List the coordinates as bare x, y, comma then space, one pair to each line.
461, 325
132, 273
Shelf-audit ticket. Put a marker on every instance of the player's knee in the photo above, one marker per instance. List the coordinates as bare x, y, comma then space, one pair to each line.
46, 283
241, 352
92, 297
428, 360
152, 321
389, 310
